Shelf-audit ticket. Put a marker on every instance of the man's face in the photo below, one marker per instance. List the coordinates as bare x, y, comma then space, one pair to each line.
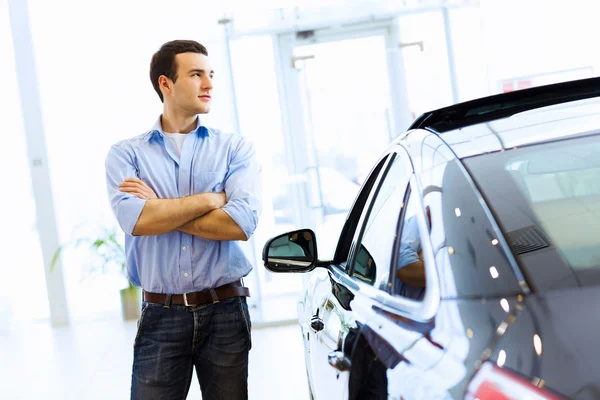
191, 93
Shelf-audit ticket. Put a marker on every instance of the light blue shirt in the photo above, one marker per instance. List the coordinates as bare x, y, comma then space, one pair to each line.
410, 245
210, 161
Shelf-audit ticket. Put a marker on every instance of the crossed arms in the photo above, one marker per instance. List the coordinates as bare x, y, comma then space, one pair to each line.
198, 215
413, 273
211, 215
411, 269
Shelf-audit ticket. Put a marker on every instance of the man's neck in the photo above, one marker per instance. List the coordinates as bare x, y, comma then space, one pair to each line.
174, 123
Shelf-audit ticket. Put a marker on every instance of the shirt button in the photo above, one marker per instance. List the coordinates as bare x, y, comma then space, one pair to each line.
185, 274
184, 248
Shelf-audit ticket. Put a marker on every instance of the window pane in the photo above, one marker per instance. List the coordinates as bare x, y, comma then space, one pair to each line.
278, 205
469, 49
428, 82
347, 235
338, 167
373, 260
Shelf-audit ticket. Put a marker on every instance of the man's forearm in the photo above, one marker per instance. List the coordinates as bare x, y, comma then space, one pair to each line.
412, 274
165, 215
215, 225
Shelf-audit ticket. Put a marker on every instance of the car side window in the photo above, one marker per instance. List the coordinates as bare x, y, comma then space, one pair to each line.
408, 278
374, 248
348, 231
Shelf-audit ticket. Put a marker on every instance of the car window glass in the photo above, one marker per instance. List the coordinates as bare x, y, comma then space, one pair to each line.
375, 247
473, 262
546, 198
348, 231
408, 279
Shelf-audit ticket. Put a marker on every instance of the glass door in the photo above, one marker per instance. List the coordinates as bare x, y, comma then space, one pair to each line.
345, 111
321, 106
318, 112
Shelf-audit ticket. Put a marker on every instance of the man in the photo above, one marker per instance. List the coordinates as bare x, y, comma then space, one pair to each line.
410, 272
185, 194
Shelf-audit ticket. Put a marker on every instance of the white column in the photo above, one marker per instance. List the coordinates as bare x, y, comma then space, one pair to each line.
450, 50
38, 157
397, 77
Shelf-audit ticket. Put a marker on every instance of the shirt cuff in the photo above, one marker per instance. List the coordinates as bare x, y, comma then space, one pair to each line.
129, 213
246, 219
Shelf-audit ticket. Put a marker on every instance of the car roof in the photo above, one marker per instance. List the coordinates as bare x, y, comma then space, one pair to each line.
518, 118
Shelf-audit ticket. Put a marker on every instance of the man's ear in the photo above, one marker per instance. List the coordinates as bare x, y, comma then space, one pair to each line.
165, 84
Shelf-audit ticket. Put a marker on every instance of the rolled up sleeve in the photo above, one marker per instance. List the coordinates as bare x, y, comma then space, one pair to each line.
243, 187
410, 243
126, 207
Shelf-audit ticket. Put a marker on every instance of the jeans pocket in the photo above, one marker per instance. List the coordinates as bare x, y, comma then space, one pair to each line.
246, 318
140, 323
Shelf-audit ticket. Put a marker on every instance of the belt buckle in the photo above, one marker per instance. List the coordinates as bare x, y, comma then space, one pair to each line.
185, 301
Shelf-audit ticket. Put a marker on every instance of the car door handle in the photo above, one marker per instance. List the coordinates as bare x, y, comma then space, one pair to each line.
338, 360
317, 323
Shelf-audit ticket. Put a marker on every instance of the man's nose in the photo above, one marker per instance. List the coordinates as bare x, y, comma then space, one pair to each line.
207, 83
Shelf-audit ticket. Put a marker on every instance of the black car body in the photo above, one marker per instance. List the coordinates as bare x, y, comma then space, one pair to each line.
499, 200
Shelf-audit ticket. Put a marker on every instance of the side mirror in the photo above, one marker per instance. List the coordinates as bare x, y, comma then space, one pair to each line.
291, 252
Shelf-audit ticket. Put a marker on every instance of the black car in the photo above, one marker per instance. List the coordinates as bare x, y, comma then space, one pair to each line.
469, 264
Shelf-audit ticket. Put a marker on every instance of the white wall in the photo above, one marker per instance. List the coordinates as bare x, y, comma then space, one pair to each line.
503, 40
522, 38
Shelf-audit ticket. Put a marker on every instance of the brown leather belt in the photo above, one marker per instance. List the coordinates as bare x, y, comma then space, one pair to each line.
191, 299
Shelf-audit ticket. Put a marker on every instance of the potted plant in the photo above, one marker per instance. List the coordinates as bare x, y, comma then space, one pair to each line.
106, 253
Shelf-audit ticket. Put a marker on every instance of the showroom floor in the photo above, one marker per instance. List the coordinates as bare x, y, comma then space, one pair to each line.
92, 360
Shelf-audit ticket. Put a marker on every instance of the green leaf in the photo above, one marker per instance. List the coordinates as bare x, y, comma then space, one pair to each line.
55, 258
103, 245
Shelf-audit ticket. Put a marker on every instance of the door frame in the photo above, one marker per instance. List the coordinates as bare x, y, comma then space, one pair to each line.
290, 92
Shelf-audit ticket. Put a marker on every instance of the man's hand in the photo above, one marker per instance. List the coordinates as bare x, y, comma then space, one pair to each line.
143, 191
161, 216
137, 187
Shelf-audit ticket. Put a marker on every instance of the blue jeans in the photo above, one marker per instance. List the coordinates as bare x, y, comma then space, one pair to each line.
170, 342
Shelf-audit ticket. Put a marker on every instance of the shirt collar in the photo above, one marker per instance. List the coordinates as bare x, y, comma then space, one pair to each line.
157, 128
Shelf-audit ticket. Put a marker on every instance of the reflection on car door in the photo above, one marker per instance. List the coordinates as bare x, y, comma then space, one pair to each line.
325, 312
396, 338
378, 343
330, 368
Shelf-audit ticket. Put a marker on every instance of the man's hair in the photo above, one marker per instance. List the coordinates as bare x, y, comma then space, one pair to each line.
163, 61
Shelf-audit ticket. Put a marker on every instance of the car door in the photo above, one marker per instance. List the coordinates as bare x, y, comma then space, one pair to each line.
349, 305
325, 312
401, 333
398, 316
330, 326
